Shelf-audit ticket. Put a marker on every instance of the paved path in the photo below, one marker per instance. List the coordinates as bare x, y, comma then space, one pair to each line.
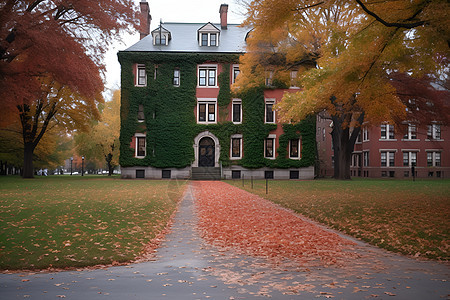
186, 268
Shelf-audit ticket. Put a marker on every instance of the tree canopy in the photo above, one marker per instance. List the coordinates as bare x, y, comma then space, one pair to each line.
60, 40
346, 54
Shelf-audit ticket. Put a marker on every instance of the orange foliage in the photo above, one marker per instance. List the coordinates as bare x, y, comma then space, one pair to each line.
232, 218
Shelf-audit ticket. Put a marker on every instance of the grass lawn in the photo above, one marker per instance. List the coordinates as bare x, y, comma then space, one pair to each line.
402, 216
75, 221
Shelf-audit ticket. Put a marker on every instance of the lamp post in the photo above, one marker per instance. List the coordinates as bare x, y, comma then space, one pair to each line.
82, 166
71, 161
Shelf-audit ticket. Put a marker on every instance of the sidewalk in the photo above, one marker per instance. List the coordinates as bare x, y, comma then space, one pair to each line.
185, 267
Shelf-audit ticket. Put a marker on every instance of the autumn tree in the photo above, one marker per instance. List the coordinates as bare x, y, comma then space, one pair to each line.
102, 141
353, 47
50, 48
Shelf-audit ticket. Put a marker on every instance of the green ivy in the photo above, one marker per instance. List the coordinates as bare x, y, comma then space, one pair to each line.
170, 122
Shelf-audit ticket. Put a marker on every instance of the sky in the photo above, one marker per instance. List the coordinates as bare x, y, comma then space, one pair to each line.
181, 11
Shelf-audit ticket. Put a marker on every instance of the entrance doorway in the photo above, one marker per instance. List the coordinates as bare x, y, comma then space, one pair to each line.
206, 152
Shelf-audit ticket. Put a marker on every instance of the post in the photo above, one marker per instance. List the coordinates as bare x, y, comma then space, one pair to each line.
267, 185
252, 182
413, 171
71, 161
243, 180
82, 166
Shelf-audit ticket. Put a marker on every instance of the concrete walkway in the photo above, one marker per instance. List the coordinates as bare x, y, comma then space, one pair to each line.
186, 268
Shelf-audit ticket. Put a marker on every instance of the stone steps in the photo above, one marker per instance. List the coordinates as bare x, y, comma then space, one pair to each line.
205, 173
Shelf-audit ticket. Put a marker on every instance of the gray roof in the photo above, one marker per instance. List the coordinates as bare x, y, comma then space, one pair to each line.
184, 39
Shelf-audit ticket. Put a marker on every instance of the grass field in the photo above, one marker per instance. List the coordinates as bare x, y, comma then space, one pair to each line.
75, 221
403, 216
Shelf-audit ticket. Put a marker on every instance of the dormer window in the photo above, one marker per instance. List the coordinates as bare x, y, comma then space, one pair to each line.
208, 35
161, 36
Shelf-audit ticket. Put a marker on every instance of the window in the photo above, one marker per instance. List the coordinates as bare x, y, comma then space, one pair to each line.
235, 73
387, 132
140, 145
293, 78
294, 174
358, 138
356, 160
411, 133
213, 39
160, 39
204, 39
176, 77
409, 158
269, 113
294, 149
235, 174
366, 158
206, 111
140, 173
140, 114
268, 174
434, 132
387, 158
141, 76
166, 174
236, 146
237, 111
365, 134
269, 147
269, 76
433, 159
207, 75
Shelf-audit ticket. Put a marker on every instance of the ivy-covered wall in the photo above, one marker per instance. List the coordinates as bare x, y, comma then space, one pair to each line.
170, 123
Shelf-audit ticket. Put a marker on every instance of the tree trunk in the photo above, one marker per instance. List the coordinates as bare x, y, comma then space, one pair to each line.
343, 144
108, 159
28, 169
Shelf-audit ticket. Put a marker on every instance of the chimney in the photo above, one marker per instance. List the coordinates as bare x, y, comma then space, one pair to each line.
145, 19
223, 15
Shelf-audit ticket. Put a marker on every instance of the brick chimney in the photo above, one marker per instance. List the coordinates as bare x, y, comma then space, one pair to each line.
145, 19
223, 15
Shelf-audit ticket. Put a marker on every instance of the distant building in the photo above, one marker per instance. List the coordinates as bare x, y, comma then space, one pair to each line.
180, 120
384, 151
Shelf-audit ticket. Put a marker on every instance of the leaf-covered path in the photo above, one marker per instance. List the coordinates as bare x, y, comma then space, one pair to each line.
295, 259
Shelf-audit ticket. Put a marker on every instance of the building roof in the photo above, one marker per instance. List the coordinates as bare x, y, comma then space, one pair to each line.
185, 39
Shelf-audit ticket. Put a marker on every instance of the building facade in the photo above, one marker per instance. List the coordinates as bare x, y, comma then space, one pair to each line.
179, 118
386, 151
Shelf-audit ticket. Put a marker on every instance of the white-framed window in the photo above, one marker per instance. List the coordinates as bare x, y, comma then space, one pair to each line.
141, 75
269, 112
176, 77
409, 158
207, 76
235, 73
365, 134
434, 132
155, 72
366, 160
236, 146
356, 160
434, 158
411, 133
387, 158
294, 149
209, 39
206, 111
236, 113
268, 78
387, 132
358, 138
269, 146
293, 76
141, 145
160, 39
140, 114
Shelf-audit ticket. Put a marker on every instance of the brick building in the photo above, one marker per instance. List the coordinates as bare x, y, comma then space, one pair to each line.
179, 118
384, 151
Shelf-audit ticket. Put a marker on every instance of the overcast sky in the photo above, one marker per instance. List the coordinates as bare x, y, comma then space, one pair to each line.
184, 11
